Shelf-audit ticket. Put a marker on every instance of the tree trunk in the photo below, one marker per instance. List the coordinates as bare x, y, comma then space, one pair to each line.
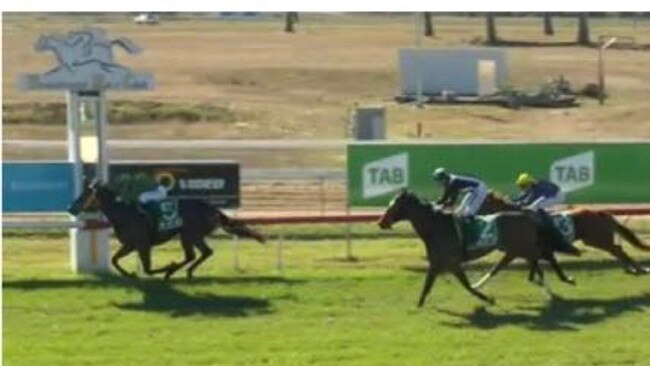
289, 18
583, 29
491, 28
429, 31
548, 24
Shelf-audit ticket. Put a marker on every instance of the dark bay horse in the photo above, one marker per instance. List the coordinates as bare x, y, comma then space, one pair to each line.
594, 228
519, 237
136, 232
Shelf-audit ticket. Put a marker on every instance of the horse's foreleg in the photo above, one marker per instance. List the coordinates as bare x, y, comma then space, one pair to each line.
493, 271
206, 252
460, 275
531, 273
122, 252
558, 270
432, 273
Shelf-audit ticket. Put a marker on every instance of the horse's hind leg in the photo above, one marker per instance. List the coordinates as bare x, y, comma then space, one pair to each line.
432, 273
460, 274
122, 252
188, 250
630, 265
558, 270
493, 271
608, 245
145, 259
206, 252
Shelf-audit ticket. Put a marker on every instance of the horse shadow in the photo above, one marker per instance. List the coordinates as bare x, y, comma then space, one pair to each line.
163, 298
166, 298
557, 314
520, 265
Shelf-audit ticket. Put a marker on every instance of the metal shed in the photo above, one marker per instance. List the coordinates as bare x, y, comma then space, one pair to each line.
461, 71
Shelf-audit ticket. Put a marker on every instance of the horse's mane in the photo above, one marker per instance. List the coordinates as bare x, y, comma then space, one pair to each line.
499, 196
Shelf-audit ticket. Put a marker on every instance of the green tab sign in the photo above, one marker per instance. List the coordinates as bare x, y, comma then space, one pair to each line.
607, 172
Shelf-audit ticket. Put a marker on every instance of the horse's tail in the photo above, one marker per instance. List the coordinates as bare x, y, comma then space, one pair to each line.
238, 227
629, 235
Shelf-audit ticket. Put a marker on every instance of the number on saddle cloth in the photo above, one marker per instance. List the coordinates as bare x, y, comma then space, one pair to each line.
166, 214
564, 224
480, 232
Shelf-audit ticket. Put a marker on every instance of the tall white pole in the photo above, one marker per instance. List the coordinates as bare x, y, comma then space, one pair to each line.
102, 136
418, 59
74, 145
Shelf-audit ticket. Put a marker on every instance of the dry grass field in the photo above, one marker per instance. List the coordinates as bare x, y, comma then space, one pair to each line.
304, 85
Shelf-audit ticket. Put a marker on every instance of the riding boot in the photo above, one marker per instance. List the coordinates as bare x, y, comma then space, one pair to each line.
560, 243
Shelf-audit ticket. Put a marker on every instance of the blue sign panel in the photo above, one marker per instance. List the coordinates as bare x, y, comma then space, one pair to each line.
37, 187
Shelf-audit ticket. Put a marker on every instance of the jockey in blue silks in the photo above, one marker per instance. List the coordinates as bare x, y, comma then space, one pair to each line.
540, 195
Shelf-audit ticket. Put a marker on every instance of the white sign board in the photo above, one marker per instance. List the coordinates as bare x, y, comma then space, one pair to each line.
85, 62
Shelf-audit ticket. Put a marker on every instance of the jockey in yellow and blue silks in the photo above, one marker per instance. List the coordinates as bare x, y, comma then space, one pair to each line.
538, 193
541, 195
474, 189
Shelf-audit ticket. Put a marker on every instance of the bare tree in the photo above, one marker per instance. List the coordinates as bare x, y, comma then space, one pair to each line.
290, 18
429, 31
491, 28
548, 24
583, 29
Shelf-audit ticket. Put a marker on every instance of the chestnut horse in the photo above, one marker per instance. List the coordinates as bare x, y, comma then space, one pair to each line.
594, 228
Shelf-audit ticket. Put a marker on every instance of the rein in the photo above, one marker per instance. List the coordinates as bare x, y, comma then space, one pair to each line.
92, 198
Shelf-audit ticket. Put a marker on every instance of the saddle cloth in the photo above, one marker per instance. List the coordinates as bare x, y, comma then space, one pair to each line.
481, 232
564, 224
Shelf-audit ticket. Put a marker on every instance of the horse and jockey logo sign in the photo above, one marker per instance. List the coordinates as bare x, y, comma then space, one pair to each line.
86, 62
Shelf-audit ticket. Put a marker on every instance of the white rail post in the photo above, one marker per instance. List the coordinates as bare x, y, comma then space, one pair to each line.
348, 235
279, 263
235, 260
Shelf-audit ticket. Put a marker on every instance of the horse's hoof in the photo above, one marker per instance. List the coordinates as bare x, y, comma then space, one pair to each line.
571, 281
490, 300
190, 276
631, 271
168, 275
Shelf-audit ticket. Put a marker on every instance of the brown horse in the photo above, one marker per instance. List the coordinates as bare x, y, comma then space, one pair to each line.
134, 231
594, 228
519, 237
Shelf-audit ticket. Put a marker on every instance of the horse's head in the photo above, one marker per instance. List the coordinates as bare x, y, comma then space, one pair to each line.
91, 198
86, 200
397, 209
497, 202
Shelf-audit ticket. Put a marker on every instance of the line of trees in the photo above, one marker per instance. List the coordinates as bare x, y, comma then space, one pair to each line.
582, 37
